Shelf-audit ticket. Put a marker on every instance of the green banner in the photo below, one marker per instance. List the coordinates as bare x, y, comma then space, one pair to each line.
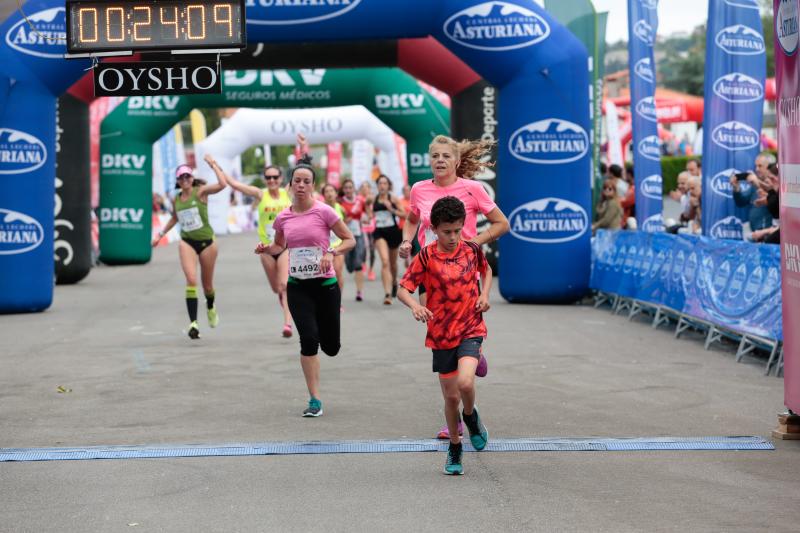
128, 133
590, 27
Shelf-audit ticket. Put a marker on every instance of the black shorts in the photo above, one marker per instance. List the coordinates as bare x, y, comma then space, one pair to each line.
315, 306
198, 246
446, 361
392, 235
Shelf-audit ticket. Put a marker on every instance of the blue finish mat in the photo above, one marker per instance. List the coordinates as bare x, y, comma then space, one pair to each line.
384, 446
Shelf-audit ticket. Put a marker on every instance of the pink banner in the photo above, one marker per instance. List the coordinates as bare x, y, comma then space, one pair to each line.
788, 106
334, 163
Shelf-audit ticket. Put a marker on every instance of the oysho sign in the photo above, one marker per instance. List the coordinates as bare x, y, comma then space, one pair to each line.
549, 221
43, 34
157, 78
738, 88
20, 152
786, 26
740, 40
19, 233
496, 26
549, 141
280, 12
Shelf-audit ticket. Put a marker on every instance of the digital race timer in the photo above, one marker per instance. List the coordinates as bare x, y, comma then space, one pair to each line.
95, 26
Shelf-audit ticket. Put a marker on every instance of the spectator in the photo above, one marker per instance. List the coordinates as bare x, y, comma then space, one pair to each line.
681, 194
616, 172
693, 216
609, 210
694, 167
771, 201
748, 196
628, 202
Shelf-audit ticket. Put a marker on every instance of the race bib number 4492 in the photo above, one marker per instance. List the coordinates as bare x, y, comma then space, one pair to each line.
304, 263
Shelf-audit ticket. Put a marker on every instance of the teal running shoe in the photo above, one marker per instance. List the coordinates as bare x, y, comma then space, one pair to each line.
314, 408
452, 467
478, 434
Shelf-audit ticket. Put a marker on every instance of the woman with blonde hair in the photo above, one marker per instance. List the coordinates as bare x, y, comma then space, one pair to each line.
454, 165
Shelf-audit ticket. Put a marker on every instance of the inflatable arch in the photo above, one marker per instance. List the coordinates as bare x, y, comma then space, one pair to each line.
250, 127
538, 67
128, 134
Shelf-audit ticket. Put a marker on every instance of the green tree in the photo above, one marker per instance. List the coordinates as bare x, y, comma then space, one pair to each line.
768, 22
683, 68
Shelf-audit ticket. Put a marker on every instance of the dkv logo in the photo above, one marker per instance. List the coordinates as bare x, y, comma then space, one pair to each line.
19, 233
652, 187
20, 152
124, 161
121, 214
549, 221
786, 26
735, 135
644, 69
549, 141
721, 183
294, 12
727, 228
646, 108
740, 40
496, 26
738, 88
156, 103
399, 101
43, 37
650, 148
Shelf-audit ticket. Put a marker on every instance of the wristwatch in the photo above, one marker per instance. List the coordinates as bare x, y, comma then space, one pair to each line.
331, 250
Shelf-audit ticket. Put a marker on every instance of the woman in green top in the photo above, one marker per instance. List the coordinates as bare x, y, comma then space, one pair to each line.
330, 195
190, 209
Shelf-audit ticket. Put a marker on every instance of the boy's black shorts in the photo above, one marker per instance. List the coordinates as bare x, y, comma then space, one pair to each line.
446, 361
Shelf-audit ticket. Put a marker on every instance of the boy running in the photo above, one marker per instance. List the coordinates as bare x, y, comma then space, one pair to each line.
448, 269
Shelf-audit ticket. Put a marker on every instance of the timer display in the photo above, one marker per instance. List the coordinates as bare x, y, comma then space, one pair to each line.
95, 26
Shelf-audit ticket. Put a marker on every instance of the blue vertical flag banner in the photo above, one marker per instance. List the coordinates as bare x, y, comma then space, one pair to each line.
642, 29
736, 68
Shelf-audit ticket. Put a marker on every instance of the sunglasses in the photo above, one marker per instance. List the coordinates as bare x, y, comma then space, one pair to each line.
184, 177
271, 177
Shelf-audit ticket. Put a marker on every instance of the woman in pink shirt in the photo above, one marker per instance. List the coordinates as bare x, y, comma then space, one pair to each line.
312, 290
453, 165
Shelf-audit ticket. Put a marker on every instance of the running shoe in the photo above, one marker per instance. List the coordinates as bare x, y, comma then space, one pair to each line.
371, 275
483, 368
314, 408
444, 433
387, 300
287, 330
452, 467
478, 434
213, 317
359, 298
194, 331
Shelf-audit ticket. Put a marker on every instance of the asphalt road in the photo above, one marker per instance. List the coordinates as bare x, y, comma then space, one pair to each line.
109, 364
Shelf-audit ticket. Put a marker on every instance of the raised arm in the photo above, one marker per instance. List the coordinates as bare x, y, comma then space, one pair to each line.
222, 178
243, 188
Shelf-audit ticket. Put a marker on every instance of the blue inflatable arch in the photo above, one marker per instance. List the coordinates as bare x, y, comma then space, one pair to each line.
538, 66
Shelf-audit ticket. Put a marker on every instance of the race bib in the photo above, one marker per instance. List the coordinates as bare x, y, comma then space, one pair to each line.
355, 227
304, 262
384, 219
190, 219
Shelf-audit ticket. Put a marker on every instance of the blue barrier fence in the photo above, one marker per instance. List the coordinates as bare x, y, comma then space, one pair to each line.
731, 284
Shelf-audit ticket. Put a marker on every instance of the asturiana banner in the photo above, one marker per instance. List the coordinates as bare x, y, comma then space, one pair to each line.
642, 28
736, 68
788, 86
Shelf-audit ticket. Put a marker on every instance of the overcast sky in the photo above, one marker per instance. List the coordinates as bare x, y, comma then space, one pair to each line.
673, 15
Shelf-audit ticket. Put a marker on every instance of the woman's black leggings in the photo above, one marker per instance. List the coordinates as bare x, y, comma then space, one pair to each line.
315, 305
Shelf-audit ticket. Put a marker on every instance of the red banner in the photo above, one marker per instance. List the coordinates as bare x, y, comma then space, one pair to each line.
788, 114
334, 163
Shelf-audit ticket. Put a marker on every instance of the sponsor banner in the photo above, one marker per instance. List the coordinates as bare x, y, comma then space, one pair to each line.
734, 98
155, 78
788, 92
27, 197
549, 220
334, 170
643, 26
549, 142
496, 26
736, 285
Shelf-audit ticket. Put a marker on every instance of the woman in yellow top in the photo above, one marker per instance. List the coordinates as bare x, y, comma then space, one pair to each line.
271, 200
330, 195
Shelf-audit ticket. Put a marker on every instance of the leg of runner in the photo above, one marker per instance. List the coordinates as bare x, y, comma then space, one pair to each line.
452, 401
382, 247
303, 305
283, 276
329, 300
393, 254
208, 260
188, 259
478, 435
354, 261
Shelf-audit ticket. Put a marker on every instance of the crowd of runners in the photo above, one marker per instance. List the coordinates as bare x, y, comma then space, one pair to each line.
309, 234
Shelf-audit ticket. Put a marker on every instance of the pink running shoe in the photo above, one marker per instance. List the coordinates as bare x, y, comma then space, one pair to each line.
483, 368
444, 433
287, 330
